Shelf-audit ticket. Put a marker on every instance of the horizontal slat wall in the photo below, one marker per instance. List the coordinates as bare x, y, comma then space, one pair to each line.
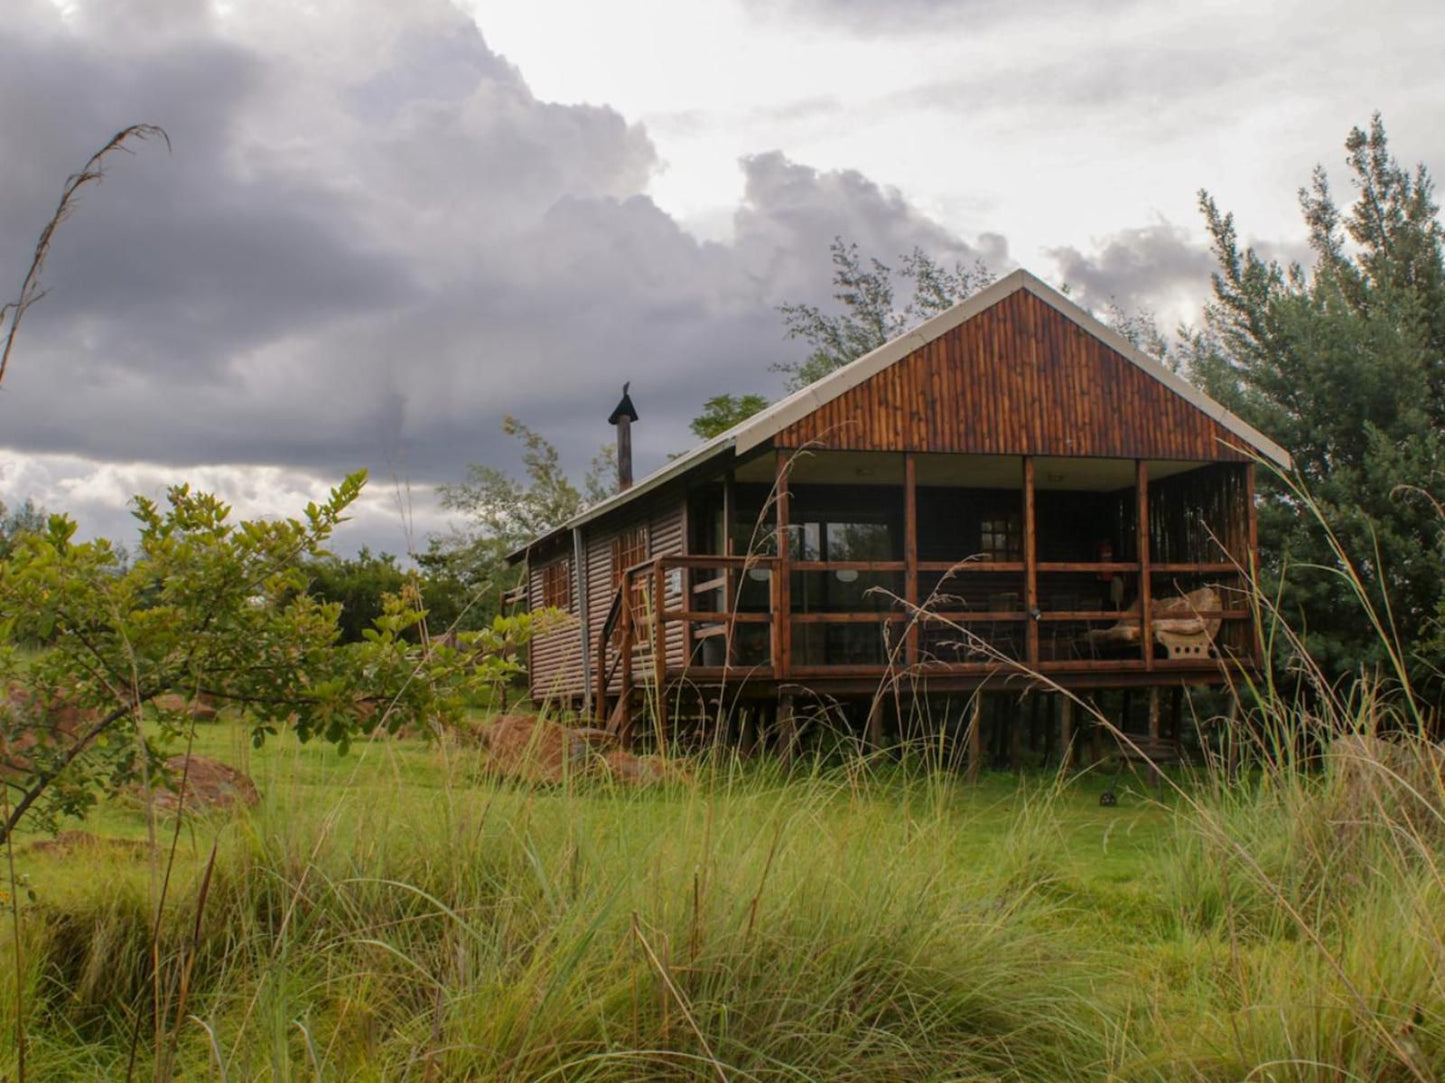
554, 668
1017, 379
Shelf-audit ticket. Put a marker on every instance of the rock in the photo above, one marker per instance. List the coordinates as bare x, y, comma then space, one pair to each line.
27, 722
533, 749
202, 708
209, 784
1400, 779
633, 770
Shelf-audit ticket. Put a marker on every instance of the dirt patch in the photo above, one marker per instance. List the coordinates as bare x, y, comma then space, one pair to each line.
209, 784
71, 843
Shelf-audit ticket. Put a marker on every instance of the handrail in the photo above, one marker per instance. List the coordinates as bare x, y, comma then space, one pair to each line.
613, 612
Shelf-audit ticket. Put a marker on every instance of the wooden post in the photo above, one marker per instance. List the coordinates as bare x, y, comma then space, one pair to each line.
1015, 736
875, 723
975, 735
1155, 775
787, 729
1231, 736
747, 732
686, 575
730, 574
1176, 716
1031, 575
1146, 625
1251, 561
659, 654
600, 700
1066, 732
782, 577
624, 730
910, 553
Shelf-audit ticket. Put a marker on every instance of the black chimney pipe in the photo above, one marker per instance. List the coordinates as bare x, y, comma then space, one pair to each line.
623, 415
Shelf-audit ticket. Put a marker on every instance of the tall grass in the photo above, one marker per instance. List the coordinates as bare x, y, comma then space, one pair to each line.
826, 927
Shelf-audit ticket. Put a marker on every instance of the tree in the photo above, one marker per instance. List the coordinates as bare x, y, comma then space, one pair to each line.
1344, 364
359, 585
722, 412
870, 315
26, 519
504, 512
208, 606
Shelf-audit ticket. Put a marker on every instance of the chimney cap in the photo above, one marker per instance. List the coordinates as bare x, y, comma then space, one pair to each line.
623, 408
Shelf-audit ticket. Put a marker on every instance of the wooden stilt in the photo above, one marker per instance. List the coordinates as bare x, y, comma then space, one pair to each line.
1154, 736
787, 729
875, 723
1176, 716
1231, 736
747, 731
1066, 732
975, 735
1015, 726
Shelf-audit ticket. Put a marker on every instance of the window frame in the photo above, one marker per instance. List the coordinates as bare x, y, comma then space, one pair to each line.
557, 583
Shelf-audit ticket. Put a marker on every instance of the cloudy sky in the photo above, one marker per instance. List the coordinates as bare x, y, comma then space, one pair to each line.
382, 226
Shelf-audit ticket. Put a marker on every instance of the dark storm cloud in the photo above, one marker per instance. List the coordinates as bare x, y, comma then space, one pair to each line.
366, 249
1140, 268
791, 214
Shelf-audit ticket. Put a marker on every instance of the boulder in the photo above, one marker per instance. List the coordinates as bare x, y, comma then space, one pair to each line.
1399, 779
209, 784
632, 770
27, 721
202, 708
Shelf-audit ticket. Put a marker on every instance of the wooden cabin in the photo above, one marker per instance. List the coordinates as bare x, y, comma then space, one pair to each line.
1009, 493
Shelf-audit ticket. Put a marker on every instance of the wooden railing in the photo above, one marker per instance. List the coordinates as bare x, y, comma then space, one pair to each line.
719, 602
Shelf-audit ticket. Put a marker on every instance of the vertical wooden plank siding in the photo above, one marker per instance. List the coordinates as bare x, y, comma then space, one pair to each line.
910, 553
1031, 570
1146, 630
1019, 378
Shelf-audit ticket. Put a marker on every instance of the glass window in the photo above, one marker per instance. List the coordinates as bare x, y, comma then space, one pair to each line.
557, 585
859, 541
1001, 537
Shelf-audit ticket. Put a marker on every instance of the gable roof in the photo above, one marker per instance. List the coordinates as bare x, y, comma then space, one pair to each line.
763, 426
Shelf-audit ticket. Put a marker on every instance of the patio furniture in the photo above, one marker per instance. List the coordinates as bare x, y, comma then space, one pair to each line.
1176, 624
